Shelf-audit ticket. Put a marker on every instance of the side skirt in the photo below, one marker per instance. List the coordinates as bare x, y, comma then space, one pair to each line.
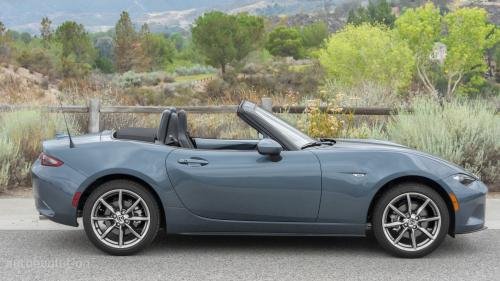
181, 221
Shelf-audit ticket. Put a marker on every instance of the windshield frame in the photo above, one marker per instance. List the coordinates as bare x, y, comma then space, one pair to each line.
272, 126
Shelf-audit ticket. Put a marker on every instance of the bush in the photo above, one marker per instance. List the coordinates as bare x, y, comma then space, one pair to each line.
37, 60
17, 151
467, 134
134, 79
194, 70
366, 53
285, 42
144, 96
216, 88
7, 154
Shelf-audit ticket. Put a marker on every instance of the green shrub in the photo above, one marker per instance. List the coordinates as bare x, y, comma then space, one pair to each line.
21, 134
37, 60
467, 134
7, 154
134, 79
194, 70
367, 53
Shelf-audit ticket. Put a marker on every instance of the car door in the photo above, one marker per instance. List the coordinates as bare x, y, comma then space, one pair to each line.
247, 186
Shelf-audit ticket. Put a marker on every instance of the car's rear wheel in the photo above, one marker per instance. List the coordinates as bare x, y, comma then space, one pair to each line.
121, 217
410, 220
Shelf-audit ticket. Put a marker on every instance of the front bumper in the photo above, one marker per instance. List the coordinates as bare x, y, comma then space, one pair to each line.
472, 201
53, 190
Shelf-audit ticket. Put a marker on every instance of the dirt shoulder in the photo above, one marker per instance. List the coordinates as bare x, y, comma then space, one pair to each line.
20, 192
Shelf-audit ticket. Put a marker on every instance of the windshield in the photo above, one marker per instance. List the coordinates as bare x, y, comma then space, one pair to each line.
295, 136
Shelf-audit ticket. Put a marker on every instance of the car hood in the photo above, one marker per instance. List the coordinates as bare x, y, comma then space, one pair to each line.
378, 145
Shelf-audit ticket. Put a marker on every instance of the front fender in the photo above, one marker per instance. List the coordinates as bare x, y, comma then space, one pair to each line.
351, 178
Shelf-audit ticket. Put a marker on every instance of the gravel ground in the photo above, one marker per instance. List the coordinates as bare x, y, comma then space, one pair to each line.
68, 255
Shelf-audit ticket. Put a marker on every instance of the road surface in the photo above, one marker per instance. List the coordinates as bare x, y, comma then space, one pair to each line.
32, 250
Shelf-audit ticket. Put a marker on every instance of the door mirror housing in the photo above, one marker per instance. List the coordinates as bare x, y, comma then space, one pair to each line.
269, 147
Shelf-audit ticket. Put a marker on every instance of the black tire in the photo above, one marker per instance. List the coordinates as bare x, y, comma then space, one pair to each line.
400, 249
150, 232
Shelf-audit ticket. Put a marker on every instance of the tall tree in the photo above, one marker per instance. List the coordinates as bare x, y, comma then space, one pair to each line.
249, 34
4, 49
125, 43
313, 35
2, 29
378, 11
421, 28
224, 38
448, 47
46, 29
285, 42
158, 50
365, 53
78, 53
469, 35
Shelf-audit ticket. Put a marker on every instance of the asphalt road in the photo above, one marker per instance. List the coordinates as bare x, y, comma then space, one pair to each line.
68, 255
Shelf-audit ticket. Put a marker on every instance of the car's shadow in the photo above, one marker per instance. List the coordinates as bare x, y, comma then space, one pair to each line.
181, 244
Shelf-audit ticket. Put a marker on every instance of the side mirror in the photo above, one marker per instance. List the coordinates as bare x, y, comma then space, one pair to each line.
269, 147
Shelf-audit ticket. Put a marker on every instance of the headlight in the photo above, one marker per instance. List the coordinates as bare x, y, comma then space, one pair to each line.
464, 179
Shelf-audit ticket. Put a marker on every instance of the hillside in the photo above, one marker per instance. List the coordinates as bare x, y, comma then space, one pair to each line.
99, 15
20, 85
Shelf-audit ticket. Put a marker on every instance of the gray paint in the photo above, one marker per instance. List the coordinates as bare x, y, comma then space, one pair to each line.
318, 191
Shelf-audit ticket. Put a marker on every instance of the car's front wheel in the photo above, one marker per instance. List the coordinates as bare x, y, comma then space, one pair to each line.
121, 217
410, 220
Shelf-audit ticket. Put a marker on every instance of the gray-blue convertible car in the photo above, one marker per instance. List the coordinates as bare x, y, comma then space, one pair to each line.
128, 184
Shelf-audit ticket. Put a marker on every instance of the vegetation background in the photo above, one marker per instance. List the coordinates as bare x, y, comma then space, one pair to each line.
442, 58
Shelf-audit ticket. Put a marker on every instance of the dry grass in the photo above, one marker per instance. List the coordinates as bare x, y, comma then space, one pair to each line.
21, 135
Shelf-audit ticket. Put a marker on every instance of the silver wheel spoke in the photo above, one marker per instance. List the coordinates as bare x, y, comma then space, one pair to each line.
120, 238
397, 210
393, 224
133, 231
426, 232
107, 231
120, 196
429, 219
133, 206
102, 218
423, 206
413, 240
408, 199
139, 218
107, 205
396, 241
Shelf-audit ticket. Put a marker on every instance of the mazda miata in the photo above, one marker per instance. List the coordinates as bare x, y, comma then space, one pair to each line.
128, 184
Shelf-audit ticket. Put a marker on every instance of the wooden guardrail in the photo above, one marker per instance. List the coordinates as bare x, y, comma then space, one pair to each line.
94, 109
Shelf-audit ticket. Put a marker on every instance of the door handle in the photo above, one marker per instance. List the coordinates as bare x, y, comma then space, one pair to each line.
193, 162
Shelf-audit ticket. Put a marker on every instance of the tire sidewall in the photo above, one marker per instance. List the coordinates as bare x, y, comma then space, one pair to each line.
384, 200
125, 185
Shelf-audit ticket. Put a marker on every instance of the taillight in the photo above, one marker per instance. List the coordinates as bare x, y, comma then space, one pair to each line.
50, 161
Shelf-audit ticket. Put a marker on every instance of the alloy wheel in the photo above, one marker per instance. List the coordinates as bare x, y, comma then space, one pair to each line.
120, 218
411, 221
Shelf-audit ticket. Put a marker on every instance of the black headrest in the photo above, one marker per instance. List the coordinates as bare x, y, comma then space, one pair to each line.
162, 129
182, 120
184, 139
140, 134
172, 130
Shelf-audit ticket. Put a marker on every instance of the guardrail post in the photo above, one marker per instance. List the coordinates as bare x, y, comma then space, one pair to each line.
94, 118
267, 104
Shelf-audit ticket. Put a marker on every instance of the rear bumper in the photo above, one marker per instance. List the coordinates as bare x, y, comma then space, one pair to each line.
472, 200
53, 191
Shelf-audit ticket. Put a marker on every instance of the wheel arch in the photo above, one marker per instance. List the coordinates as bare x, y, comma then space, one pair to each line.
120, 176
415, 179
